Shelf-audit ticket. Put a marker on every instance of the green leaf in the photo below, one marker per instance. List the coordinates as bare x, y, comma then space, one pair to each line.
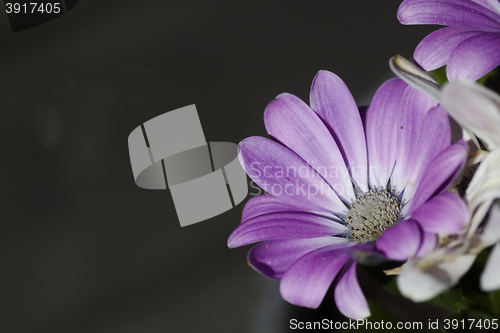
494, 297
439, 75
392, 286
377, 272
477, 300
490, 76
453, 298
478, 314
492, 80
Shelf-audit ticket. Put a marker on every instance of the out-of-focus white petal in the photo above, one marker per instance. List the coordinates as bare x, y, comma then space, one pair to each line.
422, 279
483, 189
476, 108
490, 278
484, 174
478, 217
491, 231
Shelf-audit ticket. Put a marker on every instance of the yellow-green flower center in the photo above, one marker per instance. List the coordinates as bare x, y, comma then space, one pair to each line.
371, 214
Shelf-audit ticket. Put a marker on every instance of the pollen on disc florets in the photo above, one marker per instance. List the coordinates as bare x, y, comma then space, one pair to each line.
371, 214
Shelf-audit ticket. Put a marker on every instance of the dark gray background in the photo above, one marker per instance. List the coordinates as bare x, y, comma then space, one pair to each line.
82, 248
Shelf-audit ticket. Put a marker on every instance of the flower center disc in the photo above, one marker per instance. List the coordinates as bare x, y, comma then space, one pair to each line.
371, 214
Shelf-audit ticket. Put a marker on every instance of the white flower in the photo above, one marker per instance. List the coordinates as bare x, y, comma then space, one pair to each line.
423, 278
477, 110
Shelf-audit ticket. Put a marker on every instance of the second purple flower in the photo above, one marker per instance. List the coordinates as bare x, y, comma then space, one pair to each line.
469, 45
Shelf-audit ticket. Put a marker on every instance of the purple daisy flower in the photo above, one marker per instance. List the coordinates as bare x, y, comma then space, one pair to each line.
345, 188
469, 45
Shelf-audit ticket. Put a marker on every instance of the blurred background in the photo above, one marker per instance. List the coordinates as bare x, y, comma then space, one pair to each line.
82, 248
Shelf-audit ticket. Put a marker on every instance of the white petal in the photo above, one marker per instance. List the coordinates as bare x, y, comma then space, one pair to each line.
486, 172
474, 107
483, 190
478, 217
490, 278
491, 231
423, 279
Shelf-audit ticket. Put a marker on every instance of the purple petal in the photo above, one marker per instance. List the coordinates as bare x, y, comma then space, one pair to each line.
306, 282
292, 122
273, 258
333, 102
265, 204
414, 106
440, 174
474, 57
283, 174
401, 241
434, 136
284, 225
349, 297
435, 50
458, 13
381, 131
428, 244
446, 213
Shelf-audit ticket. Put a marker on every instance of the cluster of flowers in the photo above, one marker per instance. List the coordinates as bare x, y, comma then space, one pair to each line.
410, 210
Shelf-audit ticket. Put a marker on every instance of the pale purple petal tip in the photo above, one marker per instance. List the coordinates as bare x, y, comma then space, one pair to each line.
349, 297
294, 124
